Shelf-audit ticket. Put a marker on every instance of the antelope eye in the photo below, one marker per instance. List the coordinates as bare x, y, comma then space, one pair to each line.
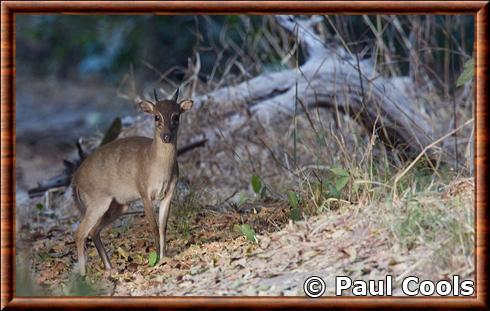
157, 118
175, 118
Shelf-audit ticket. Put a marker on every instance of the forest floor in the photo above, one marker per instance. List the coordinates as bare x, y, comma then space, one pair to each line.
429, 234
208, 256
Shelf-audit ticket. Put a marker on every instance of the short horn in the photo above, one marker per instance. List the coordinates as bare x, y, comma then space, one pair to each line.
176, 95
155, 94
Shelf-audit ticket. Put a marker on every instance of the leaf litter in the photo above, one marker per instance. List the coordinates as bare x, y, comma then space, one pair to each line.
214, 259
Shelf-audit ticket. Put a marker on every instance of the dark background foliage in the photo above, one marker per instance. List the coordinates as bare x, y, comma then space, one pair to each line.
81, 47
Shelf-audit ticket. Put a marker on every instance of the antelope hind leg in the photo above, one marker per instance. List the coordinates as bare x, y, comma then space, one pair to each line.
95, 211
115, 211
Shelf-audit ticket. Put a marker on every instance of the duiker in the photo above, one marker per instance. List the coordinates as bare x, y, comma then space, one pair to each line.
126, 170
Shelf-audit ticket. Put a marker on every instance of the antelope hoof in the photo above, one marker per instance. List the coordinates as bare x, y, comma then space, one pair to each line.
107, 266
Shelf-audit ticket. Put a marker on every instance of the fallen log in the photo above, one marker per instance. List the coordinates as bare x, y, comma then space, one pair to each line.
329, 78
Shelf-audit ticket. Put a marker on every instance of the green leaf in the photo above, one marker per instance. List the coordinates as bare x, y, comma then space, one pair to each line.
242, 199
39, 206
256, 184
295, 214
248, 232
339, 171
467, 74
293, 199
152, 259
341, 182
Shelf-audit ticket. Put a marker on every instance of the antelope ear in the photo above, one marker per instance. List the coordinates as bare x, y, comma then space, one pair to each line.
186, 105
146, 106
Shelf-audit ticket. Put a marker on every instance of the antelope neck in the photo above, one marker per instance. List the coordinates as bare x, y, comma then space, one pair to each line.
161, 151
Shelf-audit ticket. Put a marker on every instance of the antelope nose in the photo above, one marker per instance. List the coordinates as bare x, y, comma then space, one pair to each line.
166, 138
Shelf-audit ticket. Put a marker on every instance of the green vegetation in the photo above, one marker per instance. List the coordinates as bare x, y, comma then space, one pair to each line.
247, 231
152, 259
258, 187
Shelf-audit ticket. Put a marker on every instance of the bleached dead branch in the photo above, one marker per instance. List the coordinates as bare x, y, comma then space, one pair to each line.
329, 78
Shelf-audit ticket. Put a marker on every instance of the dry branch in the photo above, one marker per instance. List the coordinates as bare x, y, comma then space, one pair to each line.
329, 78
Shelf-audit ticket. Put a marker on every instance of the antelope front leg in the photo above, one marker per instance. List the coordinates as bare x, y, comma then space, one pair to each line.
163, 214
152, 221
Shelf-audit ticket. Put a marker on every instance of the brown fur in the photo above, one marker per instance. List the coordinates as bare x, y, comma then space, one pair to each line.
126, 170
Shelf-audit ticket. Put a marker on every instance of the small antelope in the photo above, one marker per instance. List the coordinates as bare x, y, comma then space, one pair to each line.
128, 169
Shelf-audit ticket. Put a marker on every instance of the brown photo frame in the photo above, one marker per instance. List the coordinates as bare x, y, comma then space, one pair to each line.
480, 9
